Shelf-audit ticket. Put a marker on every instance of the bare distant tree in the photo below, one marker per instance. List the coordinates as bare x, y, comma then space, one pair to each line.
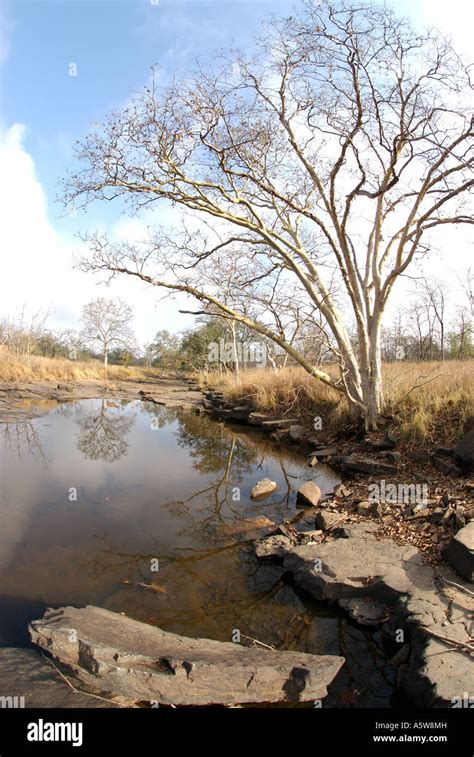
106, 325
433, 296
339, 144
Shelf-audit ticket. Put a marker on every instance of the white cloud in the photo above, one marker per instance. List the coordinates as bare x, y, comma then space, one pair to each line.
37, 261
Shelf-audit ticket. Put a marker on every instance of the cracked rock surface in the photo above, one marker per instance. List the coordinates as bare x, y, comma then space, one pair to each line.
432, 606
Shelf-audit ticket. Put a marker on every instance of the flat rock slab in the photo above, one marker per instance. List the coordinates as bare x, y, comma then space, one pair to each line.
28, 680
140, 662
434, 615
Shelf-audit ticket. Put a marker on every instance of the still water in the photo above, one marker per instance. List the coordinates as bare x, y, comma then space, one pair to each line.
146, 510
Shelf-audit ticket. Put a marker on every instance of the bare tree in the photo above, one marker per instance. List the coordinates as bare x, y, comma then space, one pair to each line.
339, 146
106, 325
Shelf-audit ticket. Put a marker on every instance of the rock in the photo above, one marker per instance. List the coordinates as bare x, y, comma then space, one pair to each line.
364, 508
419, 456
282, 530
247, 525
464, 449
263, 489
459, 520
311, 536
312, 462
142, 662
296, 432
460, 552
31, 681
232, 414
323, 452
418, 509
305, 520
376, 446
367, 466
341, 491
401, 656
437, 515
446, 467
366, 611
393, 457
377, 509
309, 493
447, 515
340, 533
326, 519
364, 567
444, 451
273, 547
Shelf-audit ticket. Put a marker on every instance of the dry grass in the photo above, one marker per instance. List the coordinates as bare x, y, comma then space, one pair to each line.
429, 402
35, 368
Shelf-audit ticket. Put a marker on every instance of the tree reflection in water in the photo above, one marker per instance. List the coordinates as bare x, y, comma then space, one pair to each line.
213, 582
103, 431
22, 437
215, 448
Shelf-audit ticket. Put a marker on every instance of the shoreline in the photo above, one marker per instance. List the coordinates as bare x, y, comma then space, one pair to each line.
426, 599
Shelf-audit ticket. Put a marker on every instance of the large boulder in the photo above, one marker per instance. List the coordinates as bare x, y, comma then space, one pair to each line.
460, 552
141, 662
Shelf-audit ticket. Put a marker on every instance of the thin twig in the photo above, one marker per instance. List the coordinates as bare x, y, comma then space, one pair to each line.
457, 586
464, 645
256, 641
79, 691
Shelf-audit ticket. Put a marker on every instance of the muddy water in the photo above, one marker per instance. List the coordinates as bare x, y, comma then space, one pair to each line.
146, 511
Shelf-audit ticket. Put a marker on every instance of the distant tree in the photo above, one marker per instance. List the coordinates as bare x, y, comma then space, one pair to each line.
106, 325
164, 351
196, 344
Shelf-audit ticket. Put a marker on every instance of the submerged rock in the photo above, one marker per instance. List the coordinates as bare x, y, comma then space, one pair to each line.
263, 489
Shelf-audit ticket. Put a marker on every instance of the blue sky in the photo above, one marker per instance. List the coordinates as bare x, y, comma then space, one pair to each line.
44, 109
112, 44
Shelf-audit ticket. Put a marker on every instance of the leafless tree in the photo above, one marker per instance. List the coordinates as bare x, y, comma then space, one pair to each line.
341, 144
106, 325
433, 299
